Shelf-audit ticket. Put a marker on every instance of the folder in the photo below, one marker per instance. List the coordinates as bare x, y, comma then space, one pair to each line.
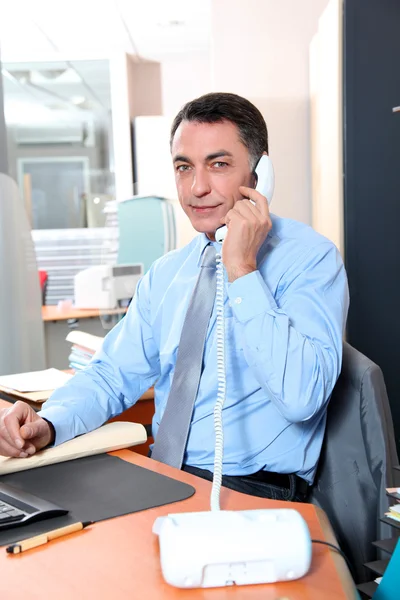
35, 386
109, 437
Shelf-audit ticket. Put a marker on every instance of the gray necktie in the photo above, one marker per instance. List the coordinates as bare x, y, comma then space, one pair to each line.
170, 443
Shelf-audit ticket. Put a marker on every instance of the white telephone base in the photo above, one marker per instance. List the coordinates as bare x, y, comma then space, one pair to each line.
214, 549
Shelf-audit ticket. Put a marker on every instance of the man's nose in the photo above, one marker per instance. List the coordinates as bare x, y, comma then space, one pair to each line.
201, 184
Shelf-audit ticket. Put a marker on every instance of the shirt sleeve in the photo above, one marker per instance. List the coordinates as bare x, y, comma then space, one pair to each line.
125, 367
293, 343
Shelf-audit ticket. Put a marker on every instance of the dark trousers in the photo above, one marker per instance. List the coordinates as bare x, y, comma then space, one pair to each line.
264, 484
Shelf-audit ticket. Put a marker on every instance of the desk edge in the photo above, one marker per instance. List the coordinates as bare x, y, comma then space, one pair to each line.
339, 562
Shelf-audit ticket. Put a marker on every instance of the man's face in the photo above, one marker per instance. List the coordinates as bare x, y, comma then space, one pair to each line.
210, 164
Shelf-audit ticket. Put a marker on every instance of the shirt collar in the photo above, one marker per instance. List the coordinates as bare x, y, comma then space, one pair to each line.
202, 244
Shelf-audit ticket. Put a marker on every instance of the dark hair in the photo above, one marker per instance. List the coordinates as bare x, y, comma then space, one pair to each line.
218, 107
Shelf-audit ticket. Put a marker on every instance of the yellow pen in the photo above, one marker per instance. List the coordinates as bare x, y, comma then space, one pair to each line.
39, 540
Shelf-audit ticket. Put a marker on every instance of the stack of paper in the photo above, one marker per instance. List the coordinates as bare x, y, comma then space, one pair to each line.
84, 346
394, 512
36, 386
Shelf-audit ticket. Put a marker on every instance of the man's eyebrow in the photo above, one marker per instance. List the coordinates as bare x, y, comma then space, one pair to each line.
209, 157
218, 154
181, 158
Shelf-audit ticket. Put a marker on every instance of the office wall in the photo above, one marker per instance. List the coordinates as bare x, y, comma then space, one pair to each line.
326, 106
144, 88
135, 90
184, 77
260, 50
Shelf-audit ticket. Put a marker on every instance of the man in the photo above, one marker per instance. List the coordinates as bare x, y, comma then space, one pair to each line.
285, 312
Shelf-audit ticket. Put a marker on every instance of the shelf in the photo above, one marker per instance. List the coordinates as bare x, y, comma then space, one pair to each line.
391, 522
378, 566
386, 545
395, 496
368, 588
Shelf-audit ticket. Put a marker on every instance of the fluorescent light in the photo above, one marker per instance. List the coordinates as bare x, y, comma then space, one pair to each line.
78, 99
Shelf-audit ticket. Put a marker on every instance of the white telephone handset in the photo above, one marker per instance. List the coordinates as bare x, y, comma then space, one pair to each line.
264, 172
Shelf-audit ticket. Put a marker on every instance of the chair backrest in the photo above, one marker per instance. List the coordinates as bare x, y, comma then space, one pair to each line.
147, 230
357, 459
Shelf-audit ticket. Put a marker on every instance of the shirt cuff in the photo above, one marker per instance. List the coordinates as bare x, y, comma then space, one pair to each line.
250, 296
60, 417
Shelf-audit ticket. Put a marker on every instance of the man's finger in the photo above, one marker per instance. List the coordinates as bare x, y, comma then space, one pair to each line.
5, 435
247, 209
7, 449
260, 201
12, 420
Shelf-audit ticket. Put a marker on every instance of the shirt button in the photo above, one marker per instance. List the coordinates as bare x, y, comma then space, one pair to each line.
238, 300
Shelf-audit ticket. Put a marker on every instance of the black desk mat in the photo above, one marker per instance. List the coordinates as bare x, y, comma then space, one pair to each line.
93, 488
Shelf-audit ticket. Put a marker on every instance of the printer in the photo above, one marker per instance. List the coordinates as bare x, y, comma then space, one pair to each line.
106, 286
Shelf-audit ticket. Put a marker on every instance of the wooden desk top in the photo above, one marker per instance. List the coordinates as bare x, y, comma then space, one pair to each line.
119, 558
53, 313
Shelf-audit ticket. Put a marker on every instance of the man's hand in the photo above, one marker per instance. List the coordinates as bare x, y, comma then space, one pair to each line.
248, 226
22, 431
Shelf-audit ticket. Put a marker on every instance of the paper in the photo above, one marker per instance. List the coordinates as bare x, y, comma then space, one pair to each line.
35, 381
393, 516
85, 340
109, 437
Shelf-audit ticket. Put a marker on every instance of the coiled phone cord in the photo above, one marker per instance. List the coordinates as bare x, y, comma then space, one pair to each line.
221, 394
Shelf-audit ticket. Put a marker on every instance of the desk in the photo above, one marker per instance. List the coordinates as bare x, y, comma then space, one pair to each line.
53, 313
119, 558
58, 323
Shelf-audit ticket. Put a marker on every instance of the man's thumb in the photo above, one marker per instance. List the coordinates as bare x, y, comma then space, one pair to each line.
30, 430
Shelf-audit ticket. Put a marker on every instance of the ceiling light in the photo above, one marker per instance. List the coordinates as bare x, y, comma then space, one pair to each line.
52, 73
171, 23
78, 99
21, 76
96, 200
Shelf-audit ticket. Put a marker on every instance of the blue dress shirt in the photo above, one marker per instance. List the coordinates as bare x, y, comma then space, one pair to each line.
284, 329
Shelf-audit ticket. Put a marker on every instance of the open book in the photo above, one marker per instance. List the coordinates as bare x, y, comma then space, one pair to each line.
112, 436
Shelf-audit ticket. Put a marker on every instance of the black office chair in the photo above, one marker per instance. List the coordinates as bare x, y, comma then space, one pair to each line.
357, 459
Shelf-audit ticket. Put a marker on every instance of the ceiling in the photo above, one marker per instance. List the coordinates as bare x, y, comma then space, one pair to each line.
49, 91
54, 54
151, 29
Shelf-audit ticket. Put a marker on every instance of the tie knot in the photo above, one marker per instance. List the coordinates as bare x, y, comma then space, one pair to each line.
209, 257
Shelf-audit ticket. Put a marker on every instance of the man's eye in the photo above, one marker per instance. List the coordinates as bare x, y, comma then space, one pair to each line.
219, 164
182, 168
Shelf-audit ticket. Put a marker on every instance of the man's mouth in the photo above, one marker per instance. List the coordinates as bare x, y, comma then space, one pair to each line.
204, 209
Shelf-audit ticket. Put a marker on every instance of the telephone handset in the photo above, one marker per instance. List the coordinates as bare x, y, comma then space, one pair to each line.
264, 172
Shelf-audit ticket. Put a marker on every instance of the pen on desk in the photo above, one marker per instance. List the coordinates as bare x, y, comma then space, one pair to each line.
39, 540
